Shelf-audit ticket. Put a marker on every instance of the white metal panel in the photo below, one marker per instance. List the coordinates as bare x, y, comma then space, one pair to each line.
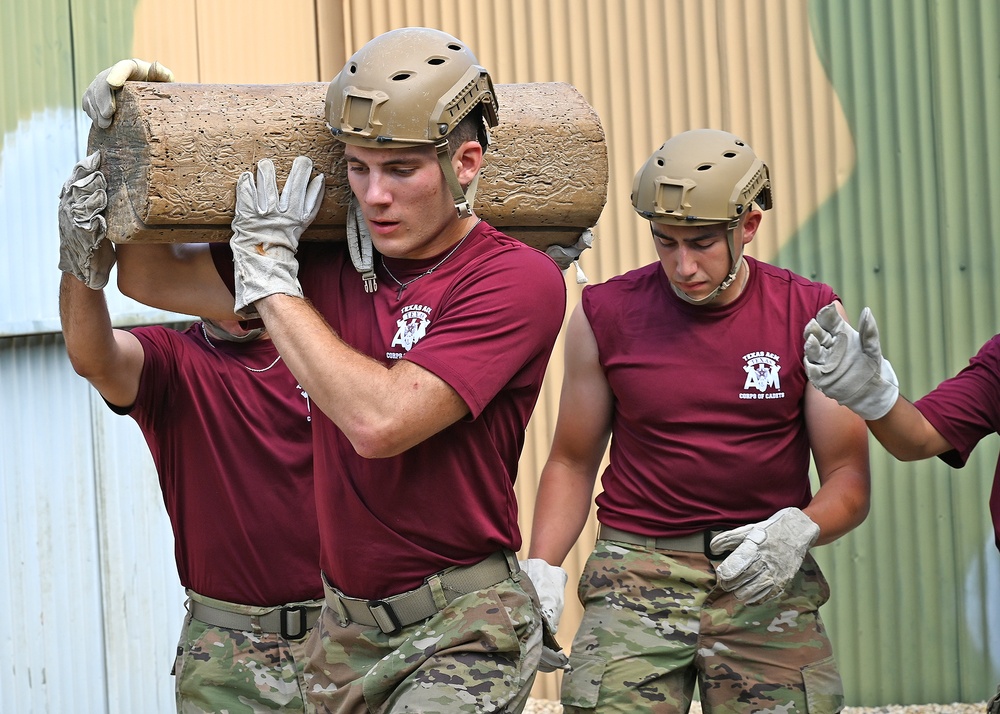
91, 608
142, 597
50, 608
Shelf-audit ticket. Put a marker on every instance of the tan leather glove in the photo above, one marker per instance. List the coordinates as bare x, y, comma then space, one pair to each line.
765, 556
266, 231
847, 364
99, 99
84, 252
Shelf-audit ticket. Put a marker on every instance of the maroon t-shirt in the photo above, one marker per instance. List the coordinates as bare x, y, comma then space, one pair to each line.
708, 429
966, 408
233, 452
485, 322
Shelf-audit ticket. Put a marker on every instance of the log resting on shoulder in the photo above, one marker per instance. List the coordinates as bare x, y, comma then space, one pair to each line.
174, 152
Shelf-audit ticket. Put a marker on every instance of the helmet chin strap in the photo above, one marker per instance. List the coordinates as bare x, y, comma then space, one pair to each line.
463, 198
736, 253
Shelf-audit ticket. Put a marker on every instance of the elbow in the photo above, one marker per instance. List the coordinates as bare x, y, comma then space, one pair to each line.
81, 361
130, 285
376, 442
861, 512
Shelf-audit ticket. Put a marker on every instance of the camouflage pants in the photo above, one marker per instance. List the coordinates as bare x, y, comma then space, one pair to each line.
655, 624
479, 654
222, 670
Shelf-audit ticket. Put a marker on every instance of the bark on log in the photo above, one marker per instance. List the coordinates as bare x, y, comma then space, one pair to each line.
174, 152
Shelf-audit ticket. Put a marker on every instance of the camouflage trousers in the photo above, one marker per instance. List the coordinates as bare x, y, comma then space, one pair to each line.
218, 669
478, 654
655, 624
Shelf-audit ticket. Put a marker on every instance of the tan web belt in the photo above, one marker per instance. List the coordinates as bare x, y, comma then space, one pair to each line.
290, 621
393, 613
691, 543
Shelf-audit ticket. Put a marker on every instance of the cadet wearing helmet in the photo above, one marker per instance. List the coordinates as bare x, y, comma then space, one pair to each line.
228, 429
425, 372
692, 367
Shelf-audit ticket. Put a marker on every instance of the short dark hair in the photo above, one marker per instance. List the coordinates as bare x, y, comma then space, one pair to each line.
471, 128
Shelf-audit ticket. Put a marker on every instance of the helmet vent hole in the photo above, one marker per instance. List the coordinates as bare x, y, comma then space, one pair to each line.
659, 162
704, 167
436, 61
454, 48
353, 69
401, 76
730, 154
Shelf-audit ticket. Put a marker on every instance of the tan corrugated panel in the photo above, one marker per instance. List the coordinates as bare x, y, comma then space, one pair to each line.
231, 41
257, 41
176, 48
333, 47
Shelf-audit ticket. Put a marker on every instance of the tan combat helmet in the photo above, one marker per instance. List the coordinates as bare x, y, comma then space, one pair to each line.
410, 87
701, 177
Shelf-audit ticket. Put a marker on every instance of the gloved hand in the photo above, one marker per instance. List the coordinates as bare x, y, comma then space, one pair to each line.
99, 99
84, 252
847, 365
266, 231
567, 256
550, 585
766, 555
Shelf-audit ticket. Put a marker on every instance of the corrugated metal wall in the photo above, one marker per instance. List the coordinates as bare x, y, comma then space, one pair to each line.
910, 235
874, 120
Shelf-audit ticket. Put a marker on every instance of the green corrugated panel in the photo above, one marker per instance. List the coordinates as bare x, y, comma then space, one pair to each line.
35, 60
51, 49
909, 235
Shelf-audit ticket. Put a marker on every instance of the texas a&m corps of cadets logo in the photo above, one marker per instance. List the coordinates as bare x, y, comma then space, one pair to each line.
763, 380
410, 327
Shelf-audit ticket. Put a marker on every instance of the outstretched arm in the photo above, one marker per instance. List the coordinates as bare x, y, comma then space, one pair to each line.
847, 365
906, 434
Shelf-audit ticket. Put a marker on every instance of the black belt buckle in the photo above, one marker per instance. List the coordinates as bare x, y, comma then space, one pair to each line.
382, 611
707, 537
283, 613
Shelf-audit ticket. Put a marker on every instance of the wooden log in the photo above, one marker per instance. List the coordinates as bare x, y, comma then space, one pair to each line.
174, 152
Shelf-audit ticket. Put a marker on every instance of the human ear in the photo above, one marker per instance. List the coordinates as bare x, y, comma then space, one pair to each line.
750, 225
467, 160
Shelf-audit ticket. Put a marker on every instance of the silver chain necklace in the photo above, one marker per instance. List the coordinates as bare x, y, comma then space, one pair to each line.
248, 369
402, 286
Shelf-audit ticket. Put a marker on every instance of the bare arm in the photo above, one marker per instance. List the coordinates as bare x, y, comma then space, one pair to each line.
583, 427
382, 410
109, 359
906, 434
839, 442
180, 277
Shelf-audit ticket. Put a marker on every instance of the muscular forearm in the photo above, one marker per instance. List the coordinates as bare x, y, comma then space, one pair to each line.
562, 506
906, 434
841, 504
109, 359
176, 277
360, 395
86, 325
